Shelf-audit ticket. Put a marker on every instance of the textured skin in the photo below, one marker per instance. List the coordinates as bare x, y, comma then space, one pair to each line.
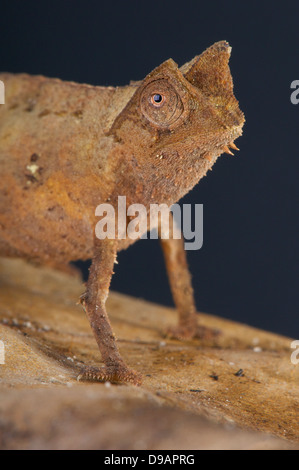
66, 147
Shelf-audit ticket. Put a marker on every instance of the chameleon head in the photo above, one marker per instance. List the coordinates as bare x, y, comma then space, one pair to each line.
183, 118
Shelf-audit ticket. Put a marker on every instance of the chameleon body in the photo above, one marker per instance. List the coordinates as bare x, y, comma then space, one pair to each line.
66, 147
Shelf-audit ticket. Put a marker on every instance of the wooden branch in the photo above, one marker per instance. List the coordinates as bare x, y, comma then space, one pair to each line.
191, 390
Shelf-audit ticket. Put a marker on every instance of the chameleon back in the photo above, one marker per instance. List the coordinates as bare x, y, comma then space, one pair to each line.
54, 165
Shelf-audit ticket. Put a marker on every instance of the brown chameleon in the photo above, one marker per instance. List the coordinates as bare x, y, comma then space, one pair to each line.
67, 147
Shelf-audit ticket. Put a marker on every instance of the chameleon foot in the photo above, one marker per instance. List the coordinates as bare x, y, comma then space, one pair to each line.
114, 374
203, 332
199, 331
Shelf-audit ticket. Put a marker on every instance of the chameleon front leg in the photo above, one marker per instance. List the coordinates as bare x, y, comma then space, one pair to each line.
93, 301
182, 291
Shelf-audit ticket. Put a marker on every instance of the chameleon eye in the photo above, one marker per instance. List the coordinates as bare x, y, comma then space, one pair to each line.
160, 103
157, 99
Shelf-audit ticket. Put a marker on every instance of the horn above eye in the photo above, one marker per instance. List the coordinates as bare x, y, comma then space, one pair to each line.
160, 103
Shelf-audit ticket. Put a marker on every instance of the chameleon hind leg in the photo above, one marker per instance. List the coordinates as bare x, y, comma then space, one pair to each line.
182, 291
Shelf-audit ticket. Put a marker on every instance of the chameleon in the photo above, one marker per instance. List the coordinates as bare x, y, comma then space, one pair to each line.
67, 147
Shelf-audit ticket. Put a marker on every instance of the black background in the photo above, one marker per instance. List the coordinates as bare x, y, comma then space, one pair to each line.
247, 269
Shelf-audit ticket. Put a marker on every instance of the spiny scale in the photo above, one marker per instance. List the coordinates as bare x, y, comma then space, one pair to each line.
233, 146
227, 150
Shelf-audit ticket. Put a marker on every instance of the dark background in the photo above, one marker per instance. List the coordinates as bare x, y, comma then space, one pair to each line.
247, 269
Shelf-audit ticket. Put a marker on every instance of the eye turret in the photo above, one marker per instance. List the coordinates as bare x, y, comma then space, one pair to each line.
160, 103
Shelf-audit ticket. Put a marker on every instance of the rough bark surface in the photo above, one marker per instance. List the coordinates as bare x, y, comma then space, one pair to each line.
194, 394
